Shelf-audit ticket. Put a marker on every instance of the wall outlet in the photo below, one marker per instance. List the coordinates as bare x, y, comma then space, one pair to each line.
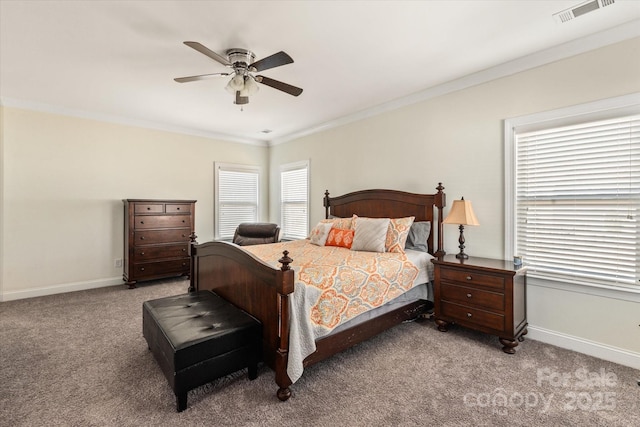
117, 263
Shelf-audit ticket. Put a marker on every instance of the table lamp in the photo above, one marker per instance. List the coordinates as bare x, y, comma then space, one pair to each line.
461, 213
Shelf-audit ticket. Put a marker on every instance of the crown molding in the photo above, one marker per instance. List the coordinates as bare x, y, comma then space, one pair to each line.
575, 47
47, 108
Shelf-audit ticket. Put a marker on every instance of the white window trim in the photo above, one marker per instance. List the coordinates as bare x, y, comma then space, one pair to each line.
602, 109
236, 167
288, 167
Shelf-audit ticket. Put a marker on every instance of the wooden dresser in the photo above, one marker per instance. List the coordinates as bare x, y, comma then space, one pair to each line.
156, 238
484, 294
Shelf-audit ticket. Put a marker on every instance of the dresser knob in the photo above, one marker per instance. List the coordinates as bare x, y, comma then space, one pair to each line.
148, 208
141, 222
141, 268
177, 209
184, 250
142, 238
468, 295
184, 264
183, 221
468, 277
141, 253
468, 314
184, 235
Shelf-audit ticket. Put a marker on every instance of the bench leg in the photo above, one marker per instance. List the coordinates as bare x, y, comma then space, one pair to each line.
253, 371
181, 401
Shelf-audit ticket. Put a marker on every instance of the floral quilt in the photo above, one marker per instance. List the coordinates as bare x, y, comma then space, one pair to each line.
349, 282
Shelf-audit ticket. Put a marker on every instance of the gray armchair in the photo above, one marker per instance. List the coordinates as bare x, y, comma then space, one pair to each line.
256, 233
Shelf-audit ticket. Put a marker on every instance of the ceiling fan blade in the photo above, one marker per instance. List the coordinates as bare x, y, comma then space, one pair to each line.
200, 77
275, 60
291, 90
206, 51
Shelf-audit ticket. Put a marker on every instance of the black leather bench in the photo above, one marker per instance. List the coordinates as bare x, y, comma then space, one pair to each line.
199, 337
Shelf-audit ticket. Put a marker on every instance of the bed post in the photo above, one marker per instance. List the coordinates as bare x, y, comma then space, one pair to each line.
440, 202
284, 286
326, 204
192, 276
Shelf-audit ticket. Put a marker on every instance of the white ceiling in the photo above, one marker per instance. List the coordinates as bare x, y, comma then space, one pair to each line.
116, 60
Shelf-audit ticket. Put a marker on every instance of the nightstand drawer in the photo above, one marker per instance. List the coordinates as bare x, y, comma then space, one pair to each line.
465, 315
473, 297
470, 277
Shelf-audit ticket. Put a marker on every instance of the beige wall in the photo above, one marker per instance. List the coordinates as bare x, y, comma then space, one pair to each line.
458, 139
64, 181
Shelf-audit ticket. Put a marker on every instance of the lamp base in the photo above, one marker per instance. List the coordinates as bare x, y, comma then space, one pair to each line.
461, 254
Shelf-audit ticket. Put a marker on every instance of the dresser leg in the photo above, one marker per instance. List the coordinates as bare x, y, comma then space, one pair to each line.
131, 284
524, 332
509, 345
442, 325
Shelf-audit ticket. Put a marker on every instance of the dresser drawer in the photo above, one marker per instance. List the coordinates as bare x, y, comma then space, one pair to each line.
470, 277
469, 315
161, 267
149, 208
177, 208
150, 237
473, 297
161, 221
148, 253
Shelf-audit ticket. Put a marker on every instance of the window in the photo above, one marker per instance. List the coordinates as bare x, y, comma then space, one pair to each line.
236, 197
573, 208
294, 200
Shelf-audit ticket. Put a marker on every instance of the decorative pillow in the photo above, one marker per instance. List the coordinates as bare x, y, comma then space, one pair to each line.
397, 234
320, 233
346, 223
370, 234
418, 235
341, 237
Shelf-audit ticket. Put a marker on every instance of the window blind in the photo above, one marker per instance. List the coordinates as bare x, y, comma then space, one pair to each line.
294, 184
237, 198
577, 199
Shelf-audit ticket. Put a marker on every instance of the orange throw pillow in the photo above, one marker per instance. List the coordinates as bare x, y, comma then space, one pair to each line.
340, 237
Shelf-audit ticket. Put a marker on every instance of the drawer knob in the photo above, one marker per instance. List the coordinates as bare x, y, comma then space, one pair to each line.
141, 268
468, 277
468, 314
141, 253
141, 222
468, 295
142, 238
184, 250
184, 264
183, 221
177, 209
148, 208
184, 235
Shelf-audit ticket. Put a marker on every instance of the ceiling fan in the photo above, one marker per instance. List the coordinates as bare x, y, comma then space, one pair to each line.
243, 80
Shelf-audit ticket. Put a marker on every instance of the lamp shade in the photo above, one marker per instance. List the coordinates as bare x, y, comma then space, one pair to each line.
461, 213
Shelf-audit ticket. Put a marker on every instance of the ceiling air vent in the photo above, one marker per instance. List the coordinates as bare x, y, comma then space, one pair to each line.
581, 9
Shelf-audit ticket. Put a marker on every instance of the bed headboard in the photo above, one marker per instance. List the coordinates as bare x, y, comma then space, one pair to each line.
392, 204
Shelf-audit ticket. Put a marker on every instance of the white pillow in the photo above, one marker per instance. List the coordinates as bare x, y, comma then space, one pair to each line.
320, 232
370, 234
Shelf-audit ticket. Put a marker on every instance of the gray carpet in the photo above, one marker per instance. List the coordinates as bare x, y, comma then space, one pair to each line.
79, 359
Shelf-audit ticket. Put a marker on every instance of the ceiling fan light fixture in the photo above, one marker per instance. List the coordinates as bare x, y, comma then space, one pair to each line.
250, 86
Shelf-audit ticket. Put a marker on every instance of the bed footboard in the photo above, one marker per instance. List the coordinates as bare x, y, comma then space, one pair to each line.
255, 287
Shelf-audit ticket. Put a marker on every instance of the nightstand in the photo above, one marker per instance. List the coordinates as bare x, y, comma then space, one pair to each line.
487, 295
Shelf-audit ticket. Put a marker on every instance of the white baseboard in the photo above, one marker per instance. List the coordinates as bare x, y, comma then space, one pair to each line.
60, 289
581, 345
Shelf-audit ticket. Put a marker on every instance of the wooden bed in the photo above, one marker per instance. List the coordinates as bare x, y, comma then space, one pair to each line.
264, 291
